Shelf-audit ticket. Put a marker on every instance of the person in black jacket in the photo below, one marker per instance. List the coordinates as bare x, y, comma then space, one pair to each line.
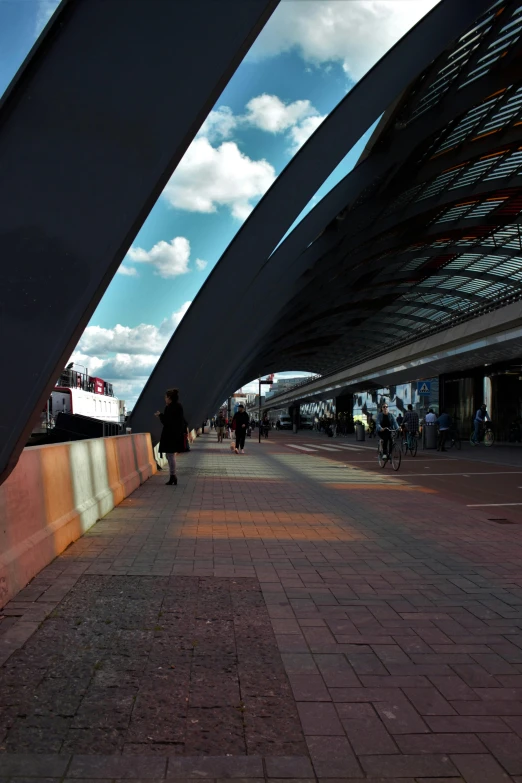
241, 421
174, 428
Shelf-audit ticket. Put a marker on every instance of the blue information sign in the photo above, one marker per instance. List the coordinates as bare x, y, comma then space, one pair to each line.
424, 387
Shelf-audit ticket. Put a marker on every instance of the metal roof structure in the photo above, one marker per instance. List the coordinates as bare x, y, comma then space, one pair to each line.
421, 235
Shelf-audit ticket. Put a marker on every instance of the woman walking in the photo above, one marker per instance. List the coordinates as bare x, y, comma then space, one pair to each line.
241, 421
174, 428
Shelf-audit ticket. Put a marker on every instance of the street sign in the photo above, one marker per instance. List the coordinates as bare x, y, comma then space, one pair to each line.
424, 388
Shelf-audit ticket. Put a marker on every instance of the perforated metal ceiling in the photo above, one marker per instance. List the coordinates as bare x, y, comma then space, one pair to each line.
438, 240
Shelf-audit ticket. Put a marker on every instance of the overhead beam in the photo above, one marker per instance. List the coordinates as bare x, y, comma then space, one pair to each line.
193, 360
91, 130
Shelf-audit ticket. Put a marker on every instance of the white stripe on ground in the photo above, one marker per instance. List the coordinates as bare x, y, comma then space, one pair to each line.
349, 448
493, 473
293, 446
483, 505
326, 448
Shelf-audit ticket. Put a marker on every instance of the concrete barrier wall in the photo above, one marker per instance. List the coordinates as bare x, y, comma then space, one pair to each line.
57, 492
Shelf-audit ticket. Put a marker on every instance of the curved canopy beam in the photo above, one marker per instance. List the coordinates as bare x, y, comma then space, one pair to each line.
91, 130
193, 359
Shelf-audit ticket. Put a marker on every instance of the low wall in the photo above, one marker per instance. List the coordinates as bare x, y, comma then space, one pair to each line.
57, 492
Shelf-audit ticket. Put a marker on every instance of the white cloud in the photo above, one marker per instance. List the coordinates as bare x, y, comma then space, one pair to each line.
201, 264
210, 177
355, 33
219, 124
126, 356
269, 113
128, 271
44, 10
169, 259
302, 132
100, 342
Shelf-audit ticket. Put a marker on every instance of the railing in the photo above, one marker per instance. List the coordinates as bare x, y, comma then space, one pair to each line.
72, 379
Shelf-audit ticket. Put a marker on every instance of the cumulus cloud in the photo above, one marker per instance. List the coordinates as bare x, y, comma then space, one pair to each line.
302, 132
219, 124
124, 355
210, 177
269, 113
355, 33
169, 259
129, 271
100, 342
201, 264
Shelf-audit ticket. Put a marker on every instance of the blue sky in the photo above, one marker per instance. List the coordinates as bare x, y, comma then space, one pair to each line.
304, 62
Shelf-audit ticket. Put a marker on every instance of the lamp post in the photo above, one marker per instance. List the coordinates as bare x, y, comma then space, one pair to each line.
269, 383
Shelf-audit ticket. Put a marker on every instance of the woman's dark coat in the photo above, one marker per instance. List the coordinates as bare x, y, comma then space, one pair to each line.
173, 429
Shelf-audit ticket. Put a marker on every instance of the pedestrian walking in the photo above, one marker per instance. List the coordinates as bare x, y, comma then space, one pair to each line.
220, 427
174, 428
445, 424
239, 424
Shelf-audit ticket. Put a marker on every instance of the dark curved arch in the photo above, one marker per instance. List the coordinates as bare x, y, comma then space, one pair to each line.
87, 143
194, 357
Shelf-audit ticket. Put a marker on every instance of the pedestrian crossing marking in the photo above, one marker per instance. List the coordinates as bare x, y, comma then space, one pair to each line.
326, 448
302, 448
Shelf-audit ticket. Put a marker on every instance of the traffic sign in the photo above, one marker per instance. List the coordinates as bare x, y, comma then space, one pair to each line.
424, 388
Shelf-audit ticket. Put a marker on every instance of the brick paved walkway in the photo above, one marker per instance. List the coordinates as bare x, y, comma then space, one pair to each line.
277, 616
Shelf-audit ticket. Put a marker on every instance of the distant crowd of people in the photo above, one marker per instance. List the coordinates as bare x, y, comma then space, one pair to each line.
240, 426
175, 435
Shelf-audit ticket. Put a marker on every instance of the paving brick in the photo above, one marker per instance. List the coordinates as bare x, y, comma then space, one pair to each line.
479, 769
215, 767
289, 767
501, 708
117, 767
336, 671
409, 630
419, 766
507, 749
454, 688
415, 681
365, 731
33, 765
440, 743
309, 687
319, 719
299, 663
400, 717
364, 694
332, 757
475, 676
428, 701
458, 723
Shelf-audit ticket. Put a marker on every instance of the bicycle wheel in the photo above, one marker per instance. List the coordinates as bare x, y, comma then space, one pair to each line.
396, 458
413, 447
489, 438
404, 446
380, 457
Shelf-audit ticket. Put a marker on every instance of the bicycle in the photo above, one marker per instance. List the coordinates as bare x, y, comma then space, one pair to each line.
410, 443
454, 440
486, 435
394, 456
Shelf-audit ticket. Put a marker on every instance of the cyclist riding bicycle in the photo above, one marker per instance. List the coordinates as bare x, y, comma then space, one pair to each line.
481, 417
411, 424
385, 423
